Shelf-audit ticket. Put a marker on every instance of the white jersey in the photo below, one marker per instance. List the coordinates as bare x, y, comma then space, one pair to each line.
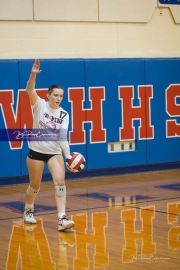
46, 118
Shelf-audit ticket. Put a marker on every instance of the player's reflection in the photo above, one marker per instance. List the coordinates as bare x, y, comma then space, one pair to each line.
65, 239
33, 254
30, 249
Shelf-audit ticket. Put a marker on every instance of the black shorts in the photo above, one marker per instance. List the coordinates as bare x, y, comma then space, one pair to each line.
40, 156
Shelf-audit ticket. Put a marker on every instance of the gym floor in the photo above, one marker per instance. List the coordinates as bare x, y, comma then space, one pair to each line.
129, 221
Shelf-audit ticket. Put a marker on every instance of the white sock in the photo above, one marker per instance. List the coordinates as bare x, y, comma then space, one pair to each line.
29, 206
61, 214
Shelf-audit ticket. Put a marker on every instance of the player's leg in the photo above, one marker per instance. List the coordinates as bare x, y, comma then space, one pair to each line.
56, 168
35, 169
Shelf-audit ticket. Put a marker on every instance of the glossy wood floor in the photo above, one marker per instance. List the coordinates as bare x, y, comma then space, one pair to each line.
128, 221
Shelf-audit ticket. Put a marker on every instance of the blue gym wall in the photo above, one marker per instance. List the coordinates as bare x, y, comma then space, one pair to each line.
110, 74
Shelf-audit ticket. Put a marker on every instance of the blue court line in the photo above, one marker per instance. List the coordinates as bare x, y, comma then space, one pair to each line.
174, 186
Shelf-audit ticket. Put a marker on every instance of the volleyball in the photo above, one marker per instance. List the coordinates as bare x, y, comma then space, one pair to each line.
75, 162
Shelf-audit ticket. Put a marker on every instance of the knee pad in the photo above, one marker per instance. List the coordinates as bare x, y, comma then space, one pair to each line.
60, 191
32, 192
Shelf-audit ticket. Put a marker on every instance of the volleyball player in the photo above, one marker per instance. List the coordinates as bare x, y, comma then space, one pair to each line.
48, 115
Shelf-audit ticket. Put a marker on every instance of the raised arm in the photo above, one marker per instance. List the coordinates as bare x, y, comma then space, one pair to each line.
32, 80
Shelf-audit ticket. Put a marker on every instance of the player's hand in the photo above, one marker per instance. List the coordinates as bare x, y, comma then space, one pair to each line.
36, 67
71, 170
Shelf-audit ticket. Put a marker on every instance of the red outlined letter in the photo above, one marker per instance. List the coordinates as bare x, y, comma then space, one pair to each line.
173, 110
141, 112
80, 116
20, 119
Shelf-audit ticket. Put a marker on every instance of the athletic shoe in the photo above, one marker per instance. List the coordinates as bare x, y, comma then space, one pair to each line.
28, 216
64, 224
